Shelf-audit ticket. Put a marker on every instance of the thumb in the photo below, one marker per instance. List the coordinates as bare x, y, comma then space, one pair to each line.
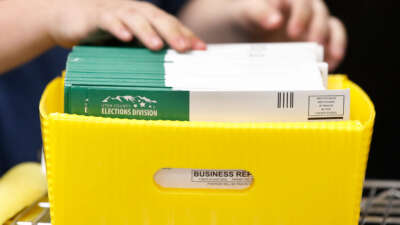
263, 14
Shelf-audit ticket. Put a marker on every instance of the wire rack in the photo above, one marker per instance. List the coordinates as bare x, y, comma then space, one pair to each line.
380, 206
380, 203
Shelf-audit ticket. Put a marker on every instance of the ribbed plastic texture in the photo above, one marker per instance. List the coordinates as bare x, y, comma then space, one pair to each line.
100, 170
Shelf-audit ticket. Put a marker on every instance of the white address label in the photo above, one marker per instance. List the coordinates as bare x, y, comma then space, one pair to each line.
203, 178
326, 107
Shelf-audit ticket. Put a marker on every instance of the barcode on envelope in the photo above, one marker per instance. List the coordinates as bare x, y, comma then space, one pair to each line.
285, 100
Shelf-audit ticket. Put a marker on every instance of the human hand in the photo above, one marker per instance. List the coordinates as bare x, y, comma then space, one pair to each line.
73, 20
292, 20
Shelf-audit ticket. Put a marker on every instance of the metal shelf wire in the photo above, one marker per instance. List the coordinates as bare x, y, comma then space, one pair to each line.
380, 203
380, 206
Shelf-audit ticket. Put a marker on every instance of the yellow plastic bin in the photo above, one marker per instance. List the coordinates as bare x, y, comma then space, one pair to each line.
100, 170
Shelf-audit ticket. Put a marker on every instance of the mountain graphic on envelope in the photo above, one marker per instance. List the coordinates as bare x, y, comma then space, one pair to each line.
137, 101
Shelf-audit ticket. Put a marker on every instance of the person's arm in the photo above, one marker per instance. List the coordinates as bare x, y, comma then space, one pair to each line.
31, 27
23, 33
267, 20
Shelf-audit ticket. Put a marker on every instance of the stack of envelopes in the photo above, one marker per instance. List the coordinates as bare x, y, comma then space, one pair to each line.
228, 82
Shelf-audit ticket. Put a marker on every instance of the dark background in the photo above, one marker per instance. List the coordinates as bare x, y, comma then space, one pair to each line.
372, 62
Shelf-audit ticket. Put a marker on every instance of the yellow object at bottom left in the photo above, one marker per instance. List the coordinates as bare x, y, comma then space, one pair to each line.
20, 187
